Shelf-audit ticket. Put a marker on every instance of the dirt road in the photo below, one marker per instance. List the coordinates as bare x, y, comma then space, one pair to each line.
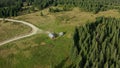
34, 31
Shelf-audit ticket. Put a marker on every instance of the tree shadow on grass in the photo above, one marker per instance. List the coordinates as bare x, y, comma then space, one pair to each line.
62, 63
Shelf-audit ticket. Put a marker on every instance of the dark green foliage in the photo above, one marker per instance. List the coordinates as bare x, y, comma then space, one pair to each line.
10, 7
98, 44
76, 40
87, 5
41, 13
53, 10
13, 7
41, 4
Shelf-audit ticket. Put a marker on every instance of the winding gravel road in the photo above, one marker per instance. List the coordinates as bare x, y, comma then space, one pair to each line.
34, 31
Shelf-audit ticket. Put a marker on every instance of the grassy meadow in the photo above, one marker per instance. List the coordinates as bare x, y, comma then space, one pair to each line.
39, 51
12, 29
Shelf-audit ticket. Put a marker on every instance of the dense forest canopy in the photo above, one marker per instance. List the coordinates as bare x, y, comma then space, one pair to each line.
97, 45
12, 7
6, 3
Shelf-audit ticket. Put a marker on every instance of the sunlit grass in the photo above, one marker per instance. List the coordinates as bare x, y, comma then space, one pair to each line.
12, 29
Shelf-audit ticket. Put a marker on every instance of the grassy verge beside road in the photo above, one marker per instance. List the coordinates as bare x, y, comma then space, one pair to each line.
12, 29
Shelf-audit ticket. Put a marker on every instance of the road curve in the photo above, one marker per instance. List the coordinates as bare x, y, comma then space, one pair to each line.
34, 31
